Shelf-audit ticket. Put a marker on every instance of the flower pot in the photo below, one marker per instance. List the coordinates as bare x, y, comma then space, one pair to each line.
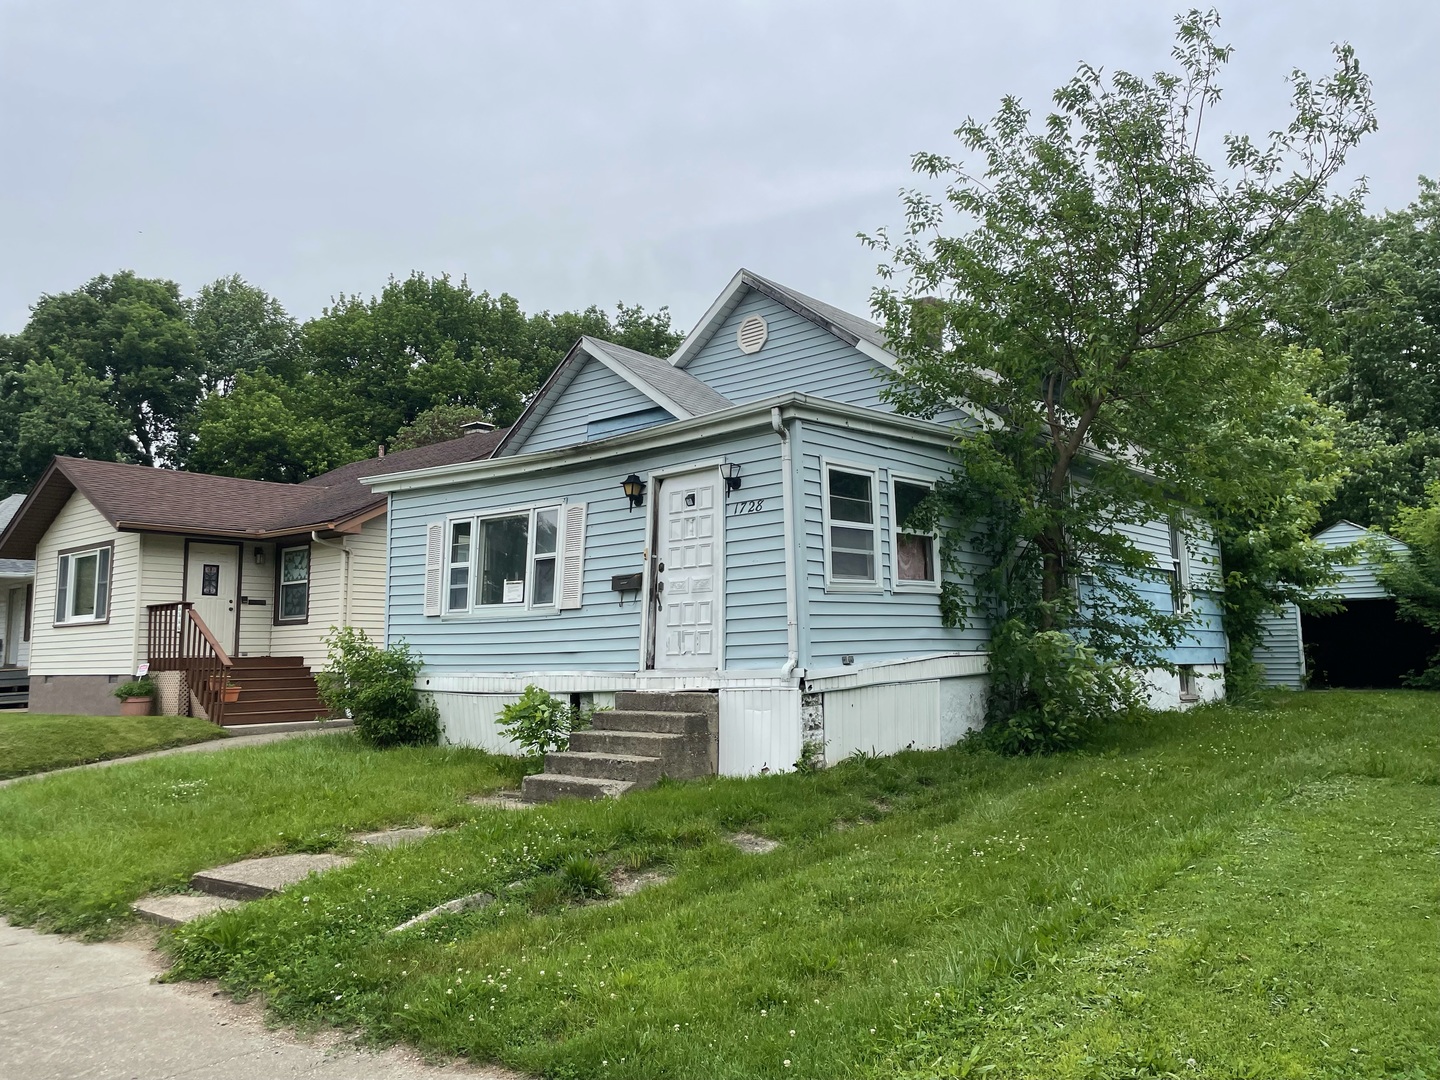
136, 706
232, 694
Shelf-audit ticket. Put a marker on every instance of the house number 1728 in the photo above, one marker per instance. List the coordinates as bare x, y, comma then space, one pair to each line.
747, 506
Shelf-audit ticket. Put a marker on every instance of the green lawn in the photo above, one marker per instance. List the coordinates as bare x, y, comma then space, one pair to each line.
1225, 893
36, 742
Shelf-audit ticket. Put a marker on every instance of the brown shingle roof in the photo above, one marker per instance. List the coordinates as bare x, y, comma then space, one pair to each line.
137, 497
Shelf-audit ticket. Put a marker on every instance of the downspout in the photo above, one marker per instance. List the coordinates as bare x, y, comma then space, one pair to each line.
792, 626
344, 573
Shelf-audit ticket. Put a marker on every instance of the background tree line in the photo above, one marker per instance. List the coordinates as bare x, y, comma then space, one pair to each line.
125, 368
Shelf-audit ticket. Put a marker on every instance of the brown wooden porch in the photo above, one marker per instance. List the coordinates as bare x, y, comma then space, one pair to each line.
231, 690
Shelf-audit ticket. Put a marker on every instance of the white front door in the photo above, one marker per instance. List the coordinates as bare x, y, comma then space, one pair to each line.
212, 584
16, 649
688, 569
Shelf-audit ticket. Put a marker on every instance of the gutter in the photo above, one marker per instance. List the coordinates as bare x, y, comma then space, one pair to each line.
787, 500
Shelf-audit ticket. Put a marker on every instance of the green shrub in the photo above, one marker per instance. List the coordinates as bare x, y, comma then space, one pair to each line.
375, 687
1049, 692
540, 722
142, 687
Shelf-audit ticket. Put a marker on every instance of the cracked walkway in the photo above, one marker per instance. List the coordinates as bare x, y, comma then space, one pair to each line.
70, 1011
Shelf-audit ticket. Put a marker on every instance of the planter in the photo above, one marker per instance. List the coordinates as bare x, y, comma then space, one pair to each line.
136, 706
231, 694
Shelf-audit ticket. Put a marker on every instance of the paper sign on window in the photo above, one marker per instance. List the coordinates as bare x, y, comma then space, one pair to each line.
514, 592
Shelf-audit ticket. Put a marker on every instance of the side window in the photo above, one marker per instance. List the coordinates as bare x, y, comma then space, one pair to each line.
547, 535
503, 548
1180, 568
293, 604
916, 563
852, 548
458, 565
82, 586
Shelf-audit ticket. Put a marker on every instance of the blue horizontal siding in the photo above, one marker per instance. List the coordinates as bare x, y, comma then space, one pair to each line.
887, 625
596, 393
603, 634
797, 356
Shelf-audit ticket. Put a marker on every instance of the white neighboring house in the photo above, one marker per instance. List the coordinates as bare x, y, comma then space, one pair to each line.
226, 581
17, 586
1363, 645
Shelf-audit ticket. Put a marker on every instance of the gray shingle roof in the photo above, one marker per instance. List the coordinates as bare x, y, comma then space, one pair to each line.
679, 386
13, 567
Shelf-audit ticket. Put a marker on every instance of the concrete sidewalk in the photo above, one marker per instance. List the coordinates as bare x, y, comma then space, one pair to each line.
92, 1012
251, 738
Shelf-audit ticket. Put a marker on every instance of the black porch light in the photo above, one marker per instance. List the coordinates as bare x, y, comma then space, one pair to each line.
730, 471
634, 489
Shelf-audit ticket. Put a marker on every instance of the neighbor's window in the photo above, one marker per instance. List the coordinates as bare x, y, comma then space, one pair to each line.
850, 526
915, 562
506, 561
82, 586
459, 564
294, 600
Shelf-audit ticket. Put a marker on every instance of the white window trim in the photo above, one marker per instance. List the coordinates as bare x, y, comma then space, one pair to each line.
280, 583
529, 609
851, 585
65, 563
896, 584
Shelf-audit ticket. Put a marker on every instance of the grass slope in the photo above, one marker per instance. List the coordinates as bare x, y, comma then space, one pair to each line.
1224, 893
76, 849
37, 742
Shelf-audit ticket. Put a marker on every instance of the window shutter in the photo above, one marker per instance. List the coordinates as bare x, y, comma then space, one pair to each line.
62, 583
572, 569
434, 556
102, 584
29, 607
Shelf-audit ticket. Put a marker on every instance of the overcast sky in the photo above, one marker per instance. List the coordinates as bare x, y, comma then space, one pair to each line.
570, 153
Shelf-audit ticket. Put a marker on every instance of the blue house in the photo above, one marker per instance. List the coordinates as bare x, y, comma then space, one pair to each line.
725, 522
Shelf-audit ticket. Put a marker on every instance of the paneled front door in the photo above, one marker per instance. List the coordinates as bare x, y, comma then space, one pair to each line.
689, 556
212, 584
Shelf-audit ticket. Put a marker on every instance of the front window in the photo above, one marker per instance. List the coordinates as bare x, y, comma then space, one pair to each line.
502, 562
82, 586
915, 562
294, 584
850, 526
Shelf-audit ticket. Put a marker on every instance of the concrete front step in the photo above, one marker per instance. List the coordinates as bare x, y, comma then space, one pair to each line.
668, 723
547, 787
646, 700
250, 879
681, 756
640, 771
177, 908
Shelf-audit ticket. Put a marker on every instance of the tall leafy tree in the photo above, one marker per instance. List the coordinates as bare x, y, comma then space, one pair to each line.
1105, 297
1413, 578
1374, 303
240, 328
131, 334
267, 429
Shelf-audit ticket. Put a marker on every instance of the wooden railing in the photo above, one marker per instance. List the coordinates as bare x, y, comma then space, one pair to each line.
180, 641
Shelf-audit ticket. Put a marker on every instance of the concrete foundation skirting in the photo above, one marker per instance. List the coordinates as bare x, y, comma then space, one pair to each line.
76, 695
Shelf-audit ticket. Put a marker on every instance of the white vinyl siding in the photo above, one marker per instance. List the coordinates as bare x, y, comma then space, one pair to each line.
89, 648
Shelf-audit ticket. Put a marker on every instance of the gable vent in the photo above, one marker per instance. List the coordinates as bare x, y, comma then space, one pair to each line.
752, 334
